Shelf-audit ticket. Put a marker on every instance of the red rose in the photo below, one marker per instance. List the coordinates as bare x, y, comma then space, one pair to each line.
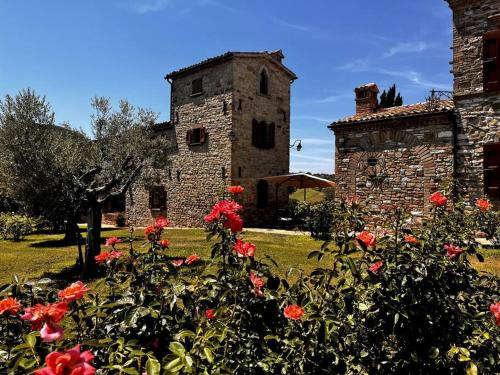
495, 310
483, 204
258, 283
9, 306
71, 362
192, 259
367, 238
438, 199
453, 251
227, 210
244, 249
164, 244
161, 223
73, 292
294, 312
107, 257
210, 314
178, 262
410, 239
112, 241
375, 267
150, 230
46, 317
235, 189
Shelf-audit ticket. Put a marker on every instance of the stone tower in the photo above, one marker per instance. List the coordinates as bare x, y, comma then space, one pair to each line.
230, 118
476, 71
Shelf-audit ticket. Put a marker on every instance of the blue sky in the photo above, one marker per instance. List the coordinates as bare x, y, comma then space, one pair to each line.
71, 51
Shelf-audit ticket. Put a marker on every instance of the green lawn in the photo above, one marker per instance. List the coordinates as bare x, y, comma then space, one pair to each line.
45, 255
312, 195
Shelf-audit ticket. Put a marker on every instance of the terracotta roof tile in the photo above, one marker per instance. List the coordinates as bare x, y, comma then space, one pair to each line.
401, 111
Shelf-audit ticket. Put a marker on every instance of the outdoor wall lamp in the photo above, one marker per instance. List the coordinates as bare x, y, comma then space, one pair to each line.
299, 146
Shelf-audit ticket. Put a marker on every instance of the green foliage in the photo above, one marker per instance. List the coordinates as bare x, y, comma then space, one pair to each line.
421, 312
16, 226
315, 218
121, 220
390, 99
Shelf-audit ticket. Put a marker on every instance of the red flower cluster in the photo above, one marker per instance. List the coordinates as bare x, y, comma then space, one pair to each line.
73, 292
294, 312
9, 306
178, 262
112, 241
438, 199
258, 283
226, 209
235, 189
164, 244
495, 310
244, 249
367, 238
375, 267
71, 362
108, 257
210, 314
410, 239
161, 223
46, 317
192, 259
453, 251
483, 204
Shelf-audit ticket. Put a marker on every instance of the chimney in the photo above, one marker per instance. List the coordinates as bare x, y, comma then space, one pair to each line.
277, 55
366, 99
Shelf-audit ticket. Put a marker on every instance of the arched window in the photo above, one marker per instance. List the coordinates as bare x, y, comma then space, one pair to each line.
264, 82
262, 194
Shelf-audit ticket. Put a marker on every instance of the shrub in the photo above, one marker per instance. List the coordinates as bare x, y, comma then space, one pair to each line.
315, 218
15, 226
121, 220
390, 303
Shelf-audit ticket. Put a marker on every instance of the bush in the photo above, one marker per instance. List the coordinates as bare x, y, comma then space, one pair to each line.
315, 218
391, 304
121, 220
16, 226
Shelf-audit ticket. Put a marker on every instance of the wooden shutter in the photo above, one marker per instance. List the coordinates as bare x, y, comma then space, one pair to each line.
255, 133
492, 170
491, 61
271, 132
203, 134
151, 192
189, 136
163, 198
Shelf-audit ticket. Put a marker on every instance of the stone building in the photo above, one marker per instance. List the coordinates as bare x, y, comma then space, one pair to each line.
230, 119
398, 156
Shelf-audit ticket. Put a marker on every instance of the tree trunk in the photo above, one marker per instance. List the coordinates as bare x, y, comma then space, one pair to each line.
93, 245
71, 229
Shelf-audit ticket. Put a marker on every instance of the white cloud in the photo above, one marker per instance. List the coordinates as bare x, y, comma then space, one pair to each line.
407, 47
318, 141
313, 118
294, 26
315, 158
150, 6
331, 98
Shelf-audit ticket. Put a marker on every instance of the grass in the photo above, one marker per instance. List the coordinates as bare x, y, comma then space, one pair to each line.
46, 255
312, 195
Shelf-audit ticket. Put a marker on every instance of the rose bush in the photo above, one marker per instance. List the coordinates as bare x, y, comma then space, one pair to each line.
379, 302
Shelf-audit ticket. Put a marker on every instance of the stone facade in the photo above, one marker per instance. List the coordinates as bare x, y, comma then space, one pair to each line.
399, 156
198, 174
478, 112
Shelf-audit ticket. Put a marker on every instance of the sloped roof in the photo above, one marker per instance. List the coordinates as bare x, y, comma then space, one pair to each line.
395, 112
227, 56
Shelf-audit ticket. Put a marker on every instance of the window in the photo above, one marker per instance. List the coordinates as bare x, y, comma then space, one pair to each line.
262, 194
197, 86
264, 83
157, 198
196, 136
263, 134
491, 154
491, 61
372, 162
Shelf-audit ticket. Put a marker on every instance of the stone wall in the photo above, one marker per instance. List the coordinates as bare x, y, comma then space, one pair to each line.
197, 176
252, 162
395, 163
478, 113
194, 178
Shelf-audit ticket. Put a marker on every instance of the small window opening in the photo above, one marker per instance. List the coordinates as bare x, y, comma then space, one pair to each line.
197, 86
264, 83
